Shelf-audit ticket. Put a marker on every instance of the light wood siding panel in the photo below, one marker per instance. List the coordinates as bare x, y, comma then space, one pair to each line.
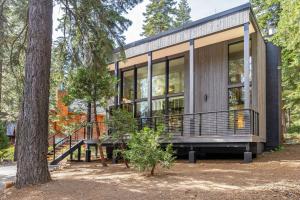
201, 30
261, 84
211, 78
254, 71
169, 51
186, 82
133, 61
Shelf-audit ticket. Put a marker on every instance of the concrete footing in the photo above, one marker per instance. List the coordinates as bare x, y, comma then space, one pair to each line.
192, 157
247, 157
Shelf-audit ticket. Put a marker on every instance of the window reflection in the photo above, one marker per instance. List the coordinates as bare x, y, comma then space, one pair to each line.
158, 79
142, 109
128, 85
158, 107
142, 83
176, 75
176, 105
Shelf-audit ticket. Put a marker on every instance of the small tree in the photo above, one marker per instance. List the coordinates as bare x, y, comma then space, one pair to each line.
91, 85
122, 124
145, 152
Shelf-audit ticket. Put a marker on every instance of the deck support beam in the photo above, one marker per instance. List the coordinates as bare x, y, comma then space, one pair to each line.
149, 66
192, 156
246, 66
192, 80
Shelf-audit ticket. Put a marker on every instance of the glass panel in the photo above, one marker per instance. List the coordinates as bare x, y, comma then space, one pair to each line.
236, 102
128, 86
236, 63
176, 105
158, 79
142, 83
176, 76
236, 98
141, 109
158, 107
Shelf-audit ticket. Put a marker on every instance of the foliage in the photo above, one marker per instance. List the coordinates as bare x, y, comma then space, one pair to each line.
122, 124
159, 17
89, 85
283, 16
13, 14
4, 141
7, 154
145, 152
183, 14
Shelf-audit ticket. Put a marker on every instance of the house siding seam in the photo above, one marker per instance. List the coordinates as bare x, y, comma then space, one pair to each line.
201, 30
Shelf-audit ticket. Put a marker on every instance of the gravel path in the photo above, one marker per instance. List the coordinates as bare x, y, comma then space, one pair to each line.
273, 176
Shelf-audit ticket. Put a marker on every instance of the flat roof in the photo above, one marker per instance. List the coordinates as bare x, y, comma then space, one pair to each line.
198, 22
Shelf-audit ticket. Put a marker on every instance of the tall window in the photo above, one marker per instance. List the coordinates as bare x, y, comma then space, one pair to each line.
142, 82
176, 76
167, 88
236, 81
158, 79
236, 75
128, 86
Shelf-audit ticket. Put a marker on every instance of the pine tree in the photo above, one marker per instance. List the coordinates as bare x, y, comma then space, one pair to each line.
159, 17
183, 14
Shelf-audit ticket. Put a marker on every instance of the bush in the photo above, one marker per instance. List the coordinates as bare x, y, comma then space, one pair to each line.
4, 141
7, 154
145, 152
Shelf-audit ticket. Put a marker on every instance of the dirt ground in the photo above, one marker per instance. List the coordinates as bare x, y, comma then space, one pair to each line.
273, 175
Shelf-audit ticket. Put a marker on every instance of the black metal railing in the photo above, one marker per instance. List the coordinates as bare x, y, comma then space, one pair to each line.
232, 122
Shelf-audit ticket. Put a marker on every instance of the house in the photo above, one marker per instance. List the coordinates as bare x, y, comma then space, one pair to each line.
213, 83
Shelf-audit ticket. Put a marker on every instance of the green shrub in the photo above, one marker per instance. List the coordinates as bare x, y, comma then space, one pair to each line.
7, 154
4, 141
145, 153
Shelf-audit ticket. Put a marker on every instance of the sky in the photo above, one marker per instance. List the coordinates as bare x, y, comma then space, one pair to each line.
199, 9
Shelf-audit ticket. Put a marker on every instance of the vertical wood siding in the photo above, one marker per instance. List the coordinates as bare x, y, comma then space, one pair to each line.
261, 84
211, 78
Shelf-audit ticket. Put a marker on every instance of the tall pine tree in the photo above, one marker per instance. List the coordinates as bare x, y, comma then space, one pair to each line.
183, 14
159, 17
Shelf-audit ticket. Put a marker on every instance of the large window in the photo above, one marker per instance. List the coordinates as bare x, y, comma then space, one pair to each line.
158, 79
128, 86
176, 76
236, 75
167, 88
142, 82
236, 83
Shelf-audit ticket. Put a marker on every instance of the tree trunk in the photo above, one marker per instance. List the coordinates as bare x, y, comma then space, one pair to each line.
152, 170
98, 135
32, 166
1, 48
124, 159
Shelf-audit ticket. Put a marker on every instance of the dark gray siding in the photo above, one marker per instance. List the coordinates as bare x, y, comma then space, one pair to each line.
273, 82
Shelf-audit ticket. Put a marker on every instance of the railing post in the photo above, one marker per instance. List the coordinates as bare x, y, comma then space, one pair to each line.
155, 128
200, 123
53, 143
234, 123
182, 118
216, 123
70, 142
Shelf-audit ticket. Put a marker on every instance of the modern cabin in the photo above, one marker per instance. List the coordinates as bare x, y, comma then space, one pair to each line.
213, 83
